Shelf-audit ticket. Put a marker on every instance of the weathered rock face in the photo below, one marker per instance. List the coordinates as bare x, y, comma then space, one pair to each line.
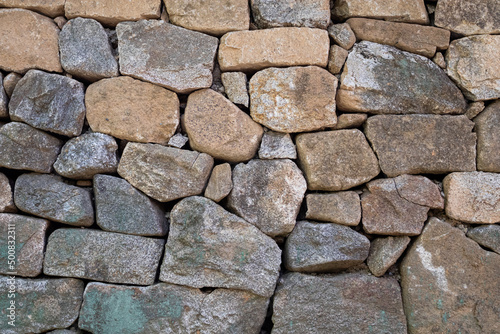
488, 138
49, 197
102, 256
258, 49
276, 145
295, 13
487, 236
419, 190
348, 121
50, 8
471, 17
462, 276
6, 197
217, 127
122, 208
336, 160
173, 57
29, 244
474, 66
473, 197
293, 99
342, 34
220, 183
336, 59
130, 109
4, 99
384, 252
412, 144
23, 147
359, 303
168, 308
225, 251
235, 86
165, 173
340, 207
211, 17
20, 51
381, 79
46, 304
268, 194
86, 51
9, 83
324, 247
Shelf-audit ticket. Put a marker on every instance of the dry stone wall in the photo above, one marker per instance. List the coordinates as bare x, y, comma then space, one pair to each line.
249, 167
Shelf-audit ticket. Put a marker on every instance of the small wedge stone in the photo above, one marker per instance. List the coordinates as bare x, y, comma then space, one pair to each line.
342, 34
341, 207
235, 85
276, 145
220, 183
6, 195
487, 236
384, 252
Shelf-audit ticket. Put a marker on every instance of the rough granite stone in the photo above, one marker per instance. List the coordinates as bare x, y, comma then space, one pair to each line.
439, 60
419, 190
49, 102
342, 34
276, 145
474, 108
4, 99
340, 207
348, 121
165, 173
384, 252
60, 21
487, 127
50, 8
178, 140
9, 83
220, 183
6, 196
268, 194
291, 13
336, 59
487, 236
235, 85
170, 56
102, 256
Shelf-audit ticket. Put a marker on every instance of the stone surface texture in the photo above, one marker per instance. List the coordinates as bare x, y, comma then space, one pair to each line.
9, 83
384, 252
276, 145
336, 59
419, 190
6, 195
342, 34
339, 207
50, 8
235, 85
291, 13
220, 183
4, 99
487, 127
348, 121
474, 108
487, 236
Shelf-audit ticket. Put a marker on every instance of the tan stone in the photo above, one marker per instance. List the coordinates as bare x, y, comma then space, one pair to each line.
336, 59
258, 49
10, 81
19, 50
110, 12
341, 207
60, 21
220, 183
211, 17
488, 138
50, 8
348, 121
474, 108
414, 38
419, 190
6, 196
130, 109
438, 59
293, 99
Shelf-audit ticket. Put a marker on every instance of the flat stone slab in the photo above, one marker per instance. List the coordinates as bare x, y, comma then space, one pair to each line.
220, 183
102, 256
340, 207
417, 144
295, 13
487, 236
50, 8
276, 145
487, 127
349, 121
384, 252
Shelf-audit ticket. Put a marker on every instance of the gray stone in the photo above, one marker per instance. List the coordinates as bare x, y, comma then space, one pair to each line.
336, 59
224, 250
488, 138
384, 252
165, 173
235, 85
41, 304
49, 197
102, 256
268, 194
419, 190
4, 100
50, 8
382, 79
276, 145
26, 252
85, 50
487, 236
124, 209
178, 140
340, 207
345, 303
349, 121
6, 196
415, 144
10, 81
220, 183
474, 108
173, 57
291, 13
89, 154
342, 34
324, 247
66, 331
168, 308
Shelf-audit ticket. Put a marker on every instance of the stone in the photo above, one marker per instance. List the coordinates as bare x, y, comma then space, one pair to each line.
474, 66
66, 331
235, 85
473, 197
170, 56
60, 21
165, 173
10, 81
293, 99
336, 59
415, 38
471, 17
411, 11
168, 308
418, 144
345, 303
133, 110
258, 49
41, 304
220, 183
20, 51
268, 194
386, 212
178, 140
336, 160
449, 283
342, 34
111, 12
225, 251
216, 126
324, 247
487, 127
382, 79
122, 208
213, 18
6, 197
487, 236
26, 250
4, 100
341, 207
102, 256
439, 60
50, 8
26, 148
276, 145
86, 51
419, 190
294, 13
474, 108
384, 252
89, 154
348, 121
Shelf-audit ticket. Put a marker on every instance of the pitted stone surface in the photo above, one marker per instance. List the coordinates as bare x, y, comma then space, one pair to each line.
291, 13
342, 207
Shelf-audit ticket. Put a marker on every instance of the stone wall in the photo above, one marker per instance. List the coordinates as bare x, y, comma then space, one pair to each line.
262, 166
